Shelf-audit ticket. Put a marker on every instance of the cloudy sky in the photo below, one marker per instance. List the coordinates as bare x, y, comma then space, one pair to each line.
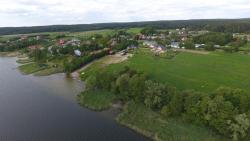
50, 12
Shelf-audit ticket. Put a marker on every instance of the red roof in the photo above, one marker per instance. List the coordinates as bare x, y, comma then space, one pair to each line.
61, 42
33, 47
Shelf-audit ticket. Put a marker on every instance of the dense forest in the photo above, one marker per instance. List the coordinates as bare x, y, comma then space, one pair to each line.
218, 25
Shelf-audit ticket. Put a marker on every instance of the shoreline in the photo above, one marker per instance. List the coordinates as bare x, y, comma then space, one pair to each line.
10, 54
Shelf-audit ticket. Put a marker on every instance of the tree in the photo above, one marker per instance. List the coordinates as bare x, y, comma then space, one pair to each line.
218, 113
136, 87
39, 55
154, 94
192, 102
175, 106
122, 84
239, 98
189, 44
239, 126
148, 30
209, 46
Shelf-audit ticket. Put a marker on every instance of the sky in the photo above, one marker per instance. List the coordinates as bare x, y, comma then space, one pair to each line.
15, 13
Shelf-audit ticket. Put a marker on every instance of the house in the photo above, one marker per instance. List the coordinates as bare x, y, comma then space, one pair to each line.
217, 46
77, 52
74, 42
175, 45
61, 42
34, 47
113, 43
248, 37
23, 38
161, 48
150, 44
132, 47
199, 45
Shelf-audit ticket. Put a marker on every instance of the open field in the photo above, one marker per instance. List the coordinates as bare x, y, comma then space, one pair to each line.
152, 124
190, 70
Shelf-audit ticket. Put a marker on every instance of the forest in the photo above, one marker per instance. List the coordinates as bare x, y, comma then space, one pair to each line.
217, 25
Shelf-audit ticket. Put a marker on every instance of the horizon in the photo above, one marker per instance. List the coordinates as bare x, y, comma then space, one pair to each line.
26, 13
245, 18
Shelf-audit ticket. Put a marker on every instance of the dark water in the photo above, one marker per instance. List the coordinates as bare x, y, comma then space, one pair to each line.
45, 109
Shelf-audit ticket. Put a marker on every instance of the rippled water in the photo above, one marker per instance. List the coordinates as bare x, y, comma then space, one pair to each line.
45, 109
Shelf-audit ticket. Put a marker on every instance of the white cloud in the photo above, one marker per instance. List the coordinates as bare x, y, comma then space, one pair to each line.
47, 12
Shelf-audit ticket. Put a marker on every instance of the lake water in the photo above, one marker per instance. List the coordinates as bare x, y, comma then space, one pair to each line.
45, 109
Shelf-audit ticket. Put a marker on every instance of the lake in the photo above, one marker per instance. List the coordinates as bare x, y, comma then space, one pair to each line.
45, 109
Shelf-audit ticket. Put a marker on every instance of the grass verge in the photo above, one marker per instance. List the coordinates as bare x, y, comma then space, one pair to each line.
96, 100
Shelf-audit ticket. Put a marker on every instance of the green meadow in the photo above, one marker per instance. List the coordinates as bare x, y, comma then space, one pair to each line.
189, 70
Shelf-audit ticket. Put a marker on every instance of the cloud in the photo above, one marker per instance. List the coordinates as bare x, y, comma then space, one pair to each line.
48, 12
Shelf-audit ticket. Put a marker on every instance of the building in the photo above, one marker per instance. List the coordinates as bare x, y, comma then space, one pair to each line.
77, 52
34, 47
199, 45
248, 37
132, 47
175, 45
61, 42
23, 37
74, 42
217, 46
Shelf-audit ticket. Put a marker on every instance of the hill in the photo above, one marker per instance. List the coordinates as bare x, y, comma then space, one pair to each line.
221, 25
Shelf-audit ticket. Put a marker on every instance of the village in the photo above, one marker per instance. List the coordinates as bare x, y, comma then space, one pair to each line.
77, 51
148, 72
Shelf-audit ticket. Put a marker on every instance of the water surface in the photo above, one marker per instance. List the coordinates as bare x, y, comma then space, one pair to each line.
45, 109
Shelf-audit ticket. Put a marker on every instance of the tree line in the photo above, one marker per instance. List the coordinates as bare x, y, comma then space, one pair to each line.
225, 110
78, 62
218, 25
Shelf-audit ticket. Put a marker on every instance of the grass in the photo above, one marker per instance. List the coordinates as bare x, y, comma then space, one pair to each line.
49, 71
31, 68
24, 61
91, 33
190, 71
54, 65
96, 100
134, 30
155, 126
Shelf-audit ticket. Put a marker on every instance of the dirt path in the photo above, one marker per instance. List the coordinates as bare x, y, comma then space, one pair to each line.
105, 61
194, 51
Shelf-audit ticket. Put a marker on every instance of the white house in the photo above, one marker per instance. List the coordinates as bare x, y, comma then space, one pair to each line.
77, 52
199, 45
175, 45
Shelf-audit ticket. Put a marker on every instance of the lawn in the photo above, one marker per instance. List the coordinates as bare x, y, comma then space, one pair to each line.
32, 68
152, 124
191, 71
96, 100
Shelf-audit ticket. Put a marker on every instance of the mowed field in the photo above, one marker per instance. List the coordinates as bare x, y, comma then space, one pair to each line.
192, 71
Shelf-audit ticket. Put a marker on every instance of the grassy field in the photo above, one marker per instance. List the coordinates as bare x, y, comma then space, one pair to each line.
96, 100
191, 71
53, 66
153, 125
31, 68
